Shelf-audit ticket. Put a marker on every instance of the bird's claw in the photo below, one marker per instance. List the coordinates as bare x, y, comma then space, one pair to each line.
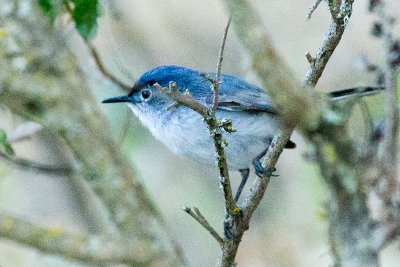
261, 171
228, 225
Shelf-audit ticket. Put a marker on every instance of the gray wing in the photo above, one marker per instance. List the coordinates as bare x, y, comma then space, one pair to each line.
247, 101
238, 95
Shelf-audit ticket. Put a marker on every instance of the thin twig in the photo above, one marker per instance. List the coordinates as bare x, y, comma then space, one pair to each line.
34, 166
196, 214
331, 40
219, 66
230, 205
310, 59
104, 71
313, 8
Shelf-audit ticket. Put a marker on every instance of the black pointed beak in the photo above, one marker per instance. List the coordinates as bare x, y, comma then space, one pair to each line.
116, 99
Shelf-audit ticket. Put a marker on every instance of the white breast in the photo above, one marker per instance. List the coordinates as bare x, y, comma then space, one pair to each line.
187, 135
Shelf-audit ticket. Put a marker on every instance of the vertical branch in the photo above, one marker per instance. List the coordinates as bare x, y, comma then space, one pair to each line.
274, 75
391, 125
62, 102
219, 67
388, 186
215, 128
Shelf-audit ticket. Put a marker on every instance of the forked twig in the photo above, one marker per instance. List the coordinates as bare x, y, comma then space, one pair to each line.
196, 214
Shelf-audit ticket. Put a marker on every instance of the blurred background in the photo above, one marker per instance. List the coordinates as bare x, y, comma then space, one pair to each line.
288, 229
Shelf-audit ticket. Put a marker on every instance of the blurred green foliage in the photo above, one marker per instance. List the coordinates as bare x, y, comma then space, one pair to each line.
5, 146
83, 12
47, 7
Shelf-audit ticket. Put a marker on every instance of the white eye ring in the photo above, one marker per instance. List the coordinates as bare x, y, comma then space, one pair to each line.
146, 94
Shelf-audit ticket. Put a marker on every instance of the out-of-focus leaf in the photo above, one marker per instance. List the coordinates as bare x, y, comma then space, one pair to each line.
85, 14
3, 32
47, 7
330, 153
5, 145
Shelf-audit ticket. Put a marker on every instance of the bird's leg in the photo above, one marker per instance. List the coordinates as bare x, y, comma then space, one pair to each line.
228, 224
259, 169
245, 174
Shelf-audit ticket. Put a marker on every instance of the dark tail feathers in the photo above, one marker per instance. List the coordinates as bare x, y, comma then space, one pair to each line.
341, 94
361, 91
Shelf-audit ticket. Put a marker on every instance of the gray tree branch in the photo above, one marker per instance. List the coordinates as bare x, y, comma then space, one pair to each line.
89, 249
306, 111
34, 166
196, 214
328, 45
52, 91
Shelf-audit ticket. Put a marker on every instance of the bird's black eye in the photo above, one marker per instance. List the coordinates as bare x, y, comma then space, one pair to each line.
146, 94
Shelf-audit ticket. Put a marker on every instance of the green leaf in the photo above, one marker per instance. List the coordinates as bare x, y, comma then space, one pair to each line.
4, 144
9, 150
47, 7
85, 14
3, 136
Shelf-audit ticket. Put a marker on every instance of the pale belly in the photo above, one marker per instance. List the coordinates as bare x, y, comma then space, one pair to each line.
187, 135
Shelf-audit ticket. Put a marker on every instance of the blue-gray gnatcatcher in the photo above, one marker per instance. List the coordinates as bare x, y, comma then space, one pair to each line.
183, 131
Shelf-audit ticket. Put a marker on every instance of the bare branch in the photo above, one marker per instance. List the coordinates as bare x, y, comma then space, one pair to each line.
196, 214
184, 99
104, 71
274, 74
391, 124
257, 190
24, 131
313, 8
219, 66
53, 103
215, 128
54, 240
310, 59
388, 186
276, 77
251, 202
331, 40
33, 166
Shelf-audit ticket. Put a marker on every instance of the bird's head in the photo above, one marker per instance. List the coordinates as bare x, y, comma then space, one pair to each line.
145, 93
